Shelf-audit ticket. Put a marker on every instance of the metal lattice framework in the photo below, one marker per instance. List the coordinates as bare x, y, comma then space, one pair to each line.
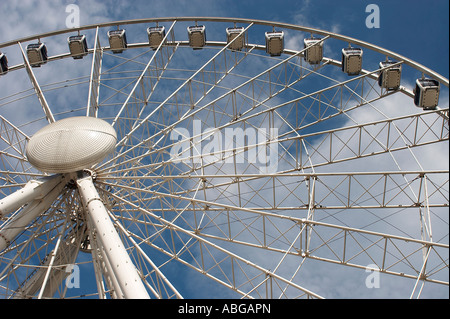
204, 197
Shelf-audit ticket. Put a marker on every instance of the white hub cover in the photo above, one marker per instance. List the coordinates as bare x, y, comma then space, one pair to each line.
71, 144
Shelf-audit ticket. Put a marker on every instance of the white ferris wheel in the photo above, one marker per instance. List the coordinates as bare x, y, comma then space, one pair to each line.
144, 159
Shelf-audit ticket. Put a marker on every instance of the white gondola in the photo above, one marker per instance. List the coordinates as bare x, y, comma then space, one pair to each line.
78, 46
3, 64
197, 36
314, 50
390, 77
156, 36
117, 40
275, 43
235, 32
426, 93
352, 60
37, 54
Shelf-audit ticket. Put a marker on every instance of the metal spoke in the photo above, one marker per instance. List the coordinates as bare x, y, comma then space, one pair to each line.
94, 81
37, 88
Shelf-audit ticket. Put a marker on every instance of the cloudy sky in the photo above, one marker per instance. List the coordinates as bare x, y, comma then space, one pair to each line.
416, 29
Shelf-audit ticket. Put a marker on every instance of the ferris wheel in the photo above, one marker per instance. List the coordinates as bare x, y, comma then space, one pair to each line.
220, 158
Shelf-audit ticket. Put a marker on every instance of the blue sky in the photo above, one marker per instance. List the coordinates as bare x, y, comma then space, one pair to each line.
416, 29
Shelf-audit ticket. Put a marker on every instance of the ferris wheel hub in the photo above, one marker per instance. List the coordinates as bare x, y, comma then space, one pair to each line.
71, 144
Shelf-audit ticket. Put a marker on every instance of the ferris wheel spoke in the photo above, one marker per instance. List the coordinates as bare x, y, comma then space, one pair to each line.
137, 159
315, 241
14, 139
37, 88
371, 189
244, 275
52, 276
214, 226
94, 81
317, 96
144, 141
341, 144
391, 253
323, 103
155, 278
108, 77
368, 139
32, 252
143, 90
20, 257
187, 86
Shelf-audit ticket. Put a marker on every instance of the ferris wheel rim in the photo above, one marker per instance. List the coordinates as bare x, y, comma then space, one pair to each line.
350, 40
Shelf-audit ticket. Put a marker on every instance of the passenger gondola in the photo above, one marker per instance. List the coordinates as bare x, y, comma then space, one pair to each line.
78, 46
426, 93
37, 54
3, 64
275, 43
314, 50
156, 36
352, 60
389, 78
117, 40
235, 32
197, 36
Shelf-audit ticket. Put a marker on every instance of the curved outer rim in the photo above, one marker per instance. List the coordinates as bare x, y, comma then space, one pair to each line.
350, 40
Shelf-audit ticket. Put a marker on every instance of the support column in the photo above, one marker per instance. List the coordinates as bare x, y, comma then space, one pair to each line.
30, 212
34, 189
109, 241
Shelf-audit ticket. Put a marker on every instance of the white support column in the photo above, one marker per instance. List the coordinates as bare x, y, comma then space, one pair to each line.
34, 189
109, 241
23, 218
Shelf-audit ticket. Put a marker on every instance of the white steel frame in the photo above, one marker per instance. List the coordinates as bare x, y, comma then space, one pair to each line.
202, 214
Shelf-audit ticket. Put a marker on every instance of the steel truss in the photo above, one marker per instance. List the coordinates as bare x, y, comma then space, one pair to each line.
351, 187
